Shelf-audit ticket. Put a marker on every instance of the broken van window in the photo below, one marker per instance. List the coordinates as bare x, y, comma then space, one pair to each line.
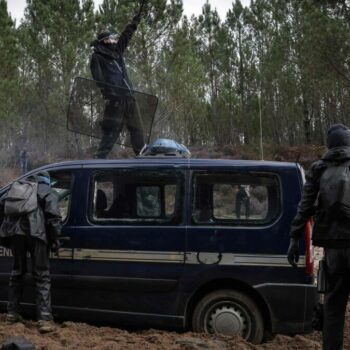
137, 196
236, 198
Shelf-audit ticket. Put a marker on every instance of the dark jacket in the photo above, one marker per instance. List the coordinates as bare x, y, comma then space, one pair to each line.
327, 232
43, 223
107, 63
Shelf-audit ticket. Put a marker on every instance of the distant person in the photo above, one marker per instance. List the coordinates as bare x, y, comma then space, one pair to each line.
325, 196
30, 223
23, 161
243, 197
107, 66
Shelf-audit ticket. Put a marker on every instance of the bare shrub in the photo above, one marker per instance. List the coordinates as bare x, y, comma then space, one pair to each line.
8, 175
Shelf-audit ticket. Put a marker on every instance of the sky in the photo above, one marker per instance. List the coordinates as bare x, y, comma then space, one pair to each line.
16, 7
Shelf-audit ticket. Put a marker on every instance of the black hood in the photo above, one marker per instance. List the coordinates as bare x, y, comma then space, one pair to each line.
338, 135
337, 154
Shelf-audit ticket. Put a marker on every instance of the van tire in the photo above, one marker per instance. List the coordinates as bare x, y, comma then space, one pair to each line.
229, 312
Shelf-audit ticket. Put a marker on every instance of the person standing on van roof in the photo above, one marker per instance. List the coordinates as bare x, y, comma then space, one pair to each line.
32, 231
108, 66
331, 228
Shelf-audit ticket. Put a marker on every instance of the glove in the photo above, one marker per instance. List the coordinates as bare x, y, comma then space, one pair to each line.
55, 246
136, 19
293, 252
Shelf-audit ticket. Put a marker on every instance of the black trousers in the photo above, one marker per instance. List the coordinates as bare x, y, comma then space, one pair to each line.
117, 113
39, 254
336, 297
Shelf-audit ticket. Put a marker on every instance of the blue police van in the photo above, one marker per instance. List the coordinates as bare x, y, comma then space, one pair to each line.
178, 243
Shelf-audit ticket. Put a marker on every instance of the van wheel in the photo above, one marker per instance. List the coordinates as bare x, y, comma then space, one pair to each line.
229, 312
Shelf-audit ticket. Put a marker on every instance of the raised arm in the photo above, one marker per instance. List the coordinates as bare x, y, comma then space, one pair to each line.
127, 34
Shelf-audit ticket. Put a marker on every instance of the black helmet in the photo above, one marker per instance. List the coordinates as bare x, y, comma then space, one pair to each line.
44, 177
102, 36
338, 135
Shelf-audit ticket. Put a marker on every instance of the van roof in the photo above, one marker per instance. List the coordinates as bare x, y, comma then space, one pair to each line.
170, 161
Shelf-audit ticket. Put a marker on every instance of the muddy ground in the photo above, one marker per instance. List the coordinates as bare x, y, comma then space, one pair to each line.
70, 335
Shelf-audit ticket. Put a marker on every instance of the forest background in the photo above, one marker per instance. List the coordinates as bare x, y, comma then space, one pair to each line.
286, 61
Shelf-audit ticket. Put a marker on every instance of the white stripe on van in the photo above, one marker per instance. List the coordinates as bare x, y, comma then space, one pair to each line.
128, 256
190, 258
232, 259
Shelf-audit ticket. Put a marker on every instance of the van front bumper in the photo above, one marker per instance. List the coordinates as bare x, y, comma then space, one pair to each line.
291, 306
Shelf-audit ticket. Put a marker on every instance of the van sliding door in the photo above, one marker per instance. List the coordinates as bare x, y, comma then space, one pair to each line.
129, 256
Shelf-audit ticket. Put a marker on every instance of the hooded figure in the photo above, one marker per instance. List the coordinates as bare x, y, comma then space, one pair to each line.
108, 66
34, 233
331, 231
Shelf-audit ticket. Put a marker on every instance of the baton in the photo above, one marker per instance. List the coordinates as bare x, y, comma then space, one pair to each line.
141, 7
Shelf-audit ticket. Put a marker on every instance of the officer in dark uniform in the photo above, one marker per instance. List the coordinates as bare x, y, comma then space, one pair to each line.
23, 161
331, 233
34, 233
108, 66
243, 197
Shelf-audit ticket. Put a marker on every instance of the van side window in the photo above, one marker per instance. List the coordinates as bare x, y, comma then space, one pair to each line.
61, 184
235, 199
137, 197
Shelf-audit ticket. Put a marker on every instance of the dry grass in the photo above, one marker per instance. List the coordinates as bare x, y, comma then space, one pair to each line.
305, 155
7, 175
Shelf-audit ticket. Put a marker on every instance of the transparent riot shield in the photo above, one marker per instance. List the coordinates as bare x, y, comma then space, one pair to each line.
95, 107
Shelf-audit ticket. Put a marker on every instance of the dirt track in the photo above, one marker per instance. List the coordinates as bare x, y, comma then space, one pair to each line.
71, 335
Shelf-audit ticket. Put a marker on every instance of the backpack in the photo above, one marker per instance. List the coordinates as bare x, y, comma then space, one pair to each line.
17, 343
334, 193
22, 198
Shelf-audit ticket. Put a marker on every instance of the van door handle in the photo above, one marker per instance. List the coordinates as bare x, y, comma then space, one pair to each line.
214, 237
